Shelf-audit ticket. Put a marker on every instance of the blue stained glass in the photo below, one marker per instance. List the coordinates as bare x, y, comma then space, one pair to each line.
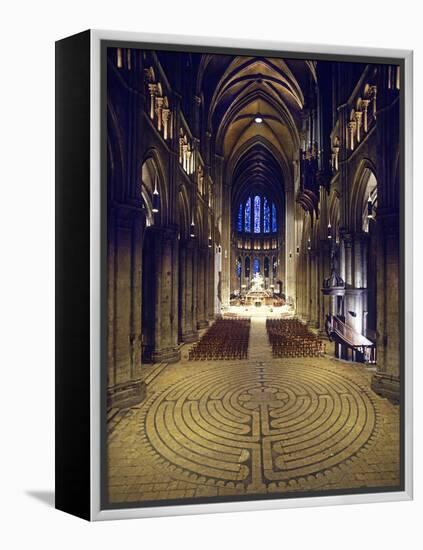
274, 221
256, 214
248, 215
256, 266
266, 215
239, 221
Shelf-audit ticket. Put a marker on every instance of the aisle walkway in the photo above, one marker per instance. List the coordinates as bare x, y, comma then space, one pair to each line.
259, 348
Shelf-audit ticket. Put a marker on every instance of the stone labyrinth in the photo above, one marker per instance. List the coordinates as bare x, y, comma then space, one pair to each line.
259, 425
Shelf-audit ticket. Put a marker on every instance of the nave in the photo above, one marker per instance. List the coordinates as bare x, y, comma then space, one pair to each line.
253, 275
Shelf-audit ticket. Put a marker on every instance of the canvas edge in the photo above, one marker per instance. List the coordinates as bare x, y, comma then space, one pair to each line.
95, 269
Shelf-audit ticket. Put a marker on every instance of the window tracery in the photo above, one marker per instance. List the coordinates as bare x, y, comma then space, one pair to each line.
256, 215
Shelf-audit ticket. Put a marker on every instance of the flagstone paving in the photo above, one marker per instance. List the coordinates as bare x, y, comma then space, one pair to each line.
253, 427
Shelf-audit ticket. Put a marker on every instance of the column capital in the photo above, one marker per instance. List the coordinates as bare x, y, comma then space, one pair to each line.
126, 214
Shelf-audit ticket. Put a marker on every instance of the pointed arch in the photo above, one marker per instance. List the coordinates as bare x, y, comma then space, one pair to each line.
364, 184
153, 175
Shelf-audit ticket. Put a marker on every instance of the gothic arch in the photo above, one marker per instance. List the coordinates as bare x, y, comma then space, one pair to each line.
365, 177
334, 213
152, 176
183, 212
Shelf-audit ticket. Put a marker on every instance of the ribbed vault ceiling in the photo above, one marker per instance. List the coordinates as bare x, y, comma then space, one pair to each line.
237, 89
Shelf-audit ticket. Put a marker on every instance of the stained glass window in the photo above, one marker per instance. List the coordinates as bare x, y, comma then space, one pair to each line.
256, 266
266, 215
266, 266
238, 267
274, 221
247, 266
239, 220
256, 214
248, 215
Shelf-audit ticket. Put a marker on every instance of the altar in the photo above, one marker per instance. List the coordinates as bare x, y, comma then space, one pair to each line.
257, 295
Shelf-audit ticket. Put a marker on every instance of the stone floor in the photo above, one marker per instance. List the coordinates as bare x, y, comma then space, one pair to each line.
253, 427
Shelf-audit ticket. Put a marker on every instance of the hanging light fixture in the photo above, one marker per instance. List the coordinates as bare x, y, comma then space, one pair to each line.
210, 242
258, 119
309, 244
192, 229
329, 231
370, 208
156, 197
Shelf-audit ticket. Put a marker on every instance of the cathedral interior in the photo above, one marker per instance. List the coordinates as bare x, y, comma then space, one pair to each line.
253, 276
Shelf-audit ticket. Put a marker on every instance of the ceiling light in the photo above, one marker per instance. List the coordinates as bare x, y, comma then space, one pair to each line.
258, 119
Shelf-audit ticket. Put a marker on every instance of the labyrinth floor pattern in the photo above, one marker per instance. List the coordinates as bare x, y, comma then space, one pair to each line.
253, 427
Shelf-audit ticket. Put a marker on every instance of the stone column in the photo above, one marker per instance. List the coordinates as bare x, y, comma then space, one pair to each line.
136, 295
314, 319
217, 280
287, 239
234, 280
348, 259
165, 338
226, 245
387, 379
111, 300
174, 316
189, 330
124, 307
358, 261
206, 283
211, 283
299, 285
182, 290
195, 286
308, 289
202, 321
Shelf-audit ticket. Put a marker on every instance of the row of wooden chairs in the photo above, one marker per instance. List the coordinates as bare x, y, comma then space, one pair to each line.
291, 338
226, 339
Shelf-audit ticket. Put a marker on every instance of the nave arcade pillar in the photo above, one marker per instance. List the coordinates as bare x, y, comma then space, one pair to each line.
202, 321
307, 290
166, 255
124, 257
314, 289
210, 282
386, 381
188, 291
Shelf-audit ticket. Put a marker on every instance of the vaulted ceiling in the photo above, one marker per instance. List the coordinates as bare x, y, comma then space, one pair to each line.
237, 90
